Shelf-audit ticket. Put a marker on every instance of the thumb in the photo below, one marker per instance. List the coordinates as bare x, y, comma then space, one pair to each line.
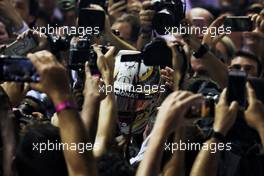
110, 52
87, 70
100, 62
234, 108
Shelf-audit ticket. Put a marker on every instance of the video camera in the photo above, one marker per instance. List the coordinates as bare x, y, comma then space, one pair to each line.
80, 48
169, 13
155, 53
82, 51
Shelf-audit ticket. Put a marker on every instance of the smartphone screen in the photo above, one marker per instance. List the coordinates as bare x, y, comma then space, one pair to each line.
92, 18
199, 22
17, 69
238, 23
21, 47
236, 90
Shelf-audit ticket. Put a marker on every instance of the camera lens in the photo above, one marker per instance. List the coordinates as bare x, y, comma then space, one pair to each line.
163, 19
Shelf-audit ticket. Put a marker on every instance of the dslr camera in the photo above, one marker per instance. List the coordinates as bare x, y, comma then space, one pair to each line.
155, 53
81, 51
169, 13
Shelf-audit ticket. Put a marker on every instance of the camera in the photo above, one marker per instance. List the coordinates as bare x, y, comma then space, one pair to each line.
81, 51
169, 13
58, 43
29, 105
21, 47
210, 91
205, 108
155, 53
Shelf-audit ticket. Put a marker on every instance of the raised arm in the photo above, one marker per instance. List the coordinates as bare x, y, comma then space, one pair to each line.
8, 135
205, 163
55, 83
176, 165
169, 118
108, 109
91, 105
216, 69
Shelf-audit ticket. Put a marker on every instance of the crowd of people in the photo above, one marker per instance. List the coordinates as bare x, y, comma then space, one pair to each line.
130, 100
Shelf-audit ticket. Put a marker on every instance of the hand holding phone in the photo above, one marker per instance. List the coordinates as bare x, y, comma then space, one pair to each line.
236, 90
21, 47
17, 69
238, 23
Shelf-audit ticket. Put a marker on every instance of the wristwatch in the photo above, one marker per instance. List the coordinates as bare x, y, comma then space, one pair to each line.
204, 48
217, 135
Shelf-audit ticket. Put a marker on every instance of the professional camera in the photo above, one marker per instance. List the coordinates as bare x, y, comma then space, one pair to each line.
155, 53
81, 51
58, 43
169, 13
24, 112
210, 91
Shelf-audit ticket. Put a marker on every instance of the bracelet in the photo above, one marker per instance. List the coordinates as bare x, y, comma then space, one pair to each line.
65, 105
216, 135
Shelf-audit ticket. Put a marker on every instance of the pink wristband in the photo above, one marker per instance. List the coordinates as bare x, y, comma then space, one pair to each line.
66, 105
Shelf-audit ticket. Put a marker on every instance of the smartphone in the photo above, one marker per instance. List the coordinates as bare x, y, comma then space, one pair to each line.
238, 23
236, 90
17, 69
21, 47
92, 18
